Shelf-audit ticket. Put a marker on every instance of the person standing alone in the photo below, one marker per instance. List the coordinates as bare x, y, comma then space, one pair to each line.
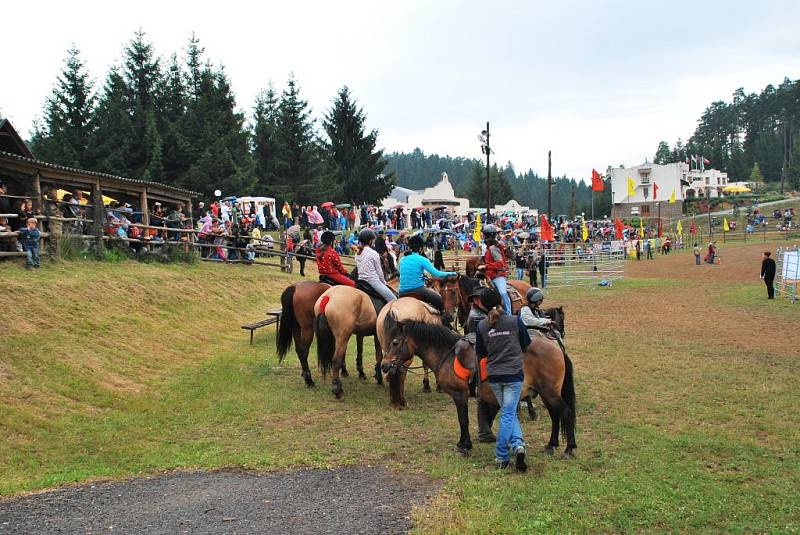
768, 274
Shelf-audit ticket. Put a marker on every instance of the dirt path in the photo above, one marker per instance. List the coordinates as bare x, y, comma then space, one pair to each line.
345, 500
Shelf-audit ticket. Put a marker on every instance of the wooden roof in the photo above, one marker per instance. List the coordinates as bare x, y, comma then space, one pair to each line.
11, 142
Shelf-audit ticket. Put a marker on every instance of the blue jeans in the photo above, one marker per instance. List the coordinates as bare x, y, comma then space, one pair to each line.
32, 256
509, 435
502, 286
520, 273
384, 290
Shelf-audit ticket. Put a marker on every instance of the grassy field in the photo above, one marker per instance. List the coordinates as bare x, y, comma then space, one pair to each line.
688, 383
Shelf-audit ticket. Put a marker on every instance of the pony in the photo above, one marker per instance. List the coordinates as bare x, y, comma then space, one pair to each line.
548, 371
340, 312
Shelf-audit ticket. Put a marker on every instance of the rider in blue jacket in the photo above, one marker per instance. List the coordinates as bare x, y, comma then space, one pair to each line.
412, 269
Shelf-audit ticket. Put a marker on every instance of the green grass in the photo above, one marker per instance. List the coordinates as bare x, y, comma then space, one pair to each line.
123, 369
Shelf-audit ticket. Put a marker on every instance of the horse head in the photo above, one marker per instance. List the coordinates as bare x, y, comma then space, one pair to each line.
448, 289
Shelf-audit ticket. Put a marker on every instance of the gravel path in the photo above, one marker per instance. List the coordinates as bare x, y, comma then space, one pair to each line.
340, 501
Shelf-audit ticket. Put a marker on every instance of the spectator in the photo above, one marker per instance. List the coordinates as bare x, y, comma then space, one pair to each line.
768, 274
29, 238
696, 252
5, 204
6, 242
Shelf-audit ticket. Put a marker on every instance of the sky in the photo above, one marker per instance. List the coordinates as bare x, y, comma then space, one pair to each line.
598, 83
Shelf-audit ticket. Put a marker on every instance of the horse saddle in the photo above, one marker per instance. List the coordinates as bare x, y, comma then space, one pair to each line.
377, 299
328, 280
419, 296
512, 292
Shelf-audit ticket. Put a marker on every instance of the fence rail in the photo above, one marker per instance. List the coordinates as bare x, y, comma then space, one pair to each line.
788, 272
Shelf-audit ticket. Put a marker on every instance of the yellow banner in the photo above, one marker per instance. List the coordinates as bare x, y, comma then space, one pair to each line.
631, 187
477, 234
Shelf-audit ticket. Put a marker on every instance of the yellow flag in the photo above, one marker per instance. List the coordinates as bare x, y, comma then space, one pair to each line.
641, 228
631, 187
584, 232
725, 226
672, 197
477, 234
680, 228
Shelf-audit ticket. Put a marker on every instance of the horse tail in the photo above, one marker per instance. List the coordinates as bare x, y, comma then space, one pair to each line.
326, 343
288, 323
568, 416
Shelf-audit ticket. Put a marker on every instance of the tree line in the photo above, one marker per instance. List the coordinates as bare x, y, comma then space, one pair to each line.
753, 136
176, 122
416, 170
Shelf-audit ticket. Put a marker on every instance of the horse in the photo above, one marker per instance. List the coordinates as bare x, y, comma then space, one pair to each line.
340, 312
297, 325
547, 368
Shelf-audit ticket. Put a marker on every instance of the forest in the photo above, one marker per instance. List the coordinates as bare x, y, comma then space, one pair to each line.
175, 120
754, 137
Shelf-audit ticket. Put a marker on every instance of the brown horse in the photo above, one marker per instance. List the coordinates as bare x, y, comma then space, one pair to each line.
548, 371
297, 321
340, 312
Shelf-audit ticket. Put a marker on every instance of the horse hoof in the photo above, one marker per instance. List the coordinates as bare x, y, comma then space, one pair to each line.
490, 439
426, 389
568, 454
549, 450
343, 372
311, 384
464, 452
362, 376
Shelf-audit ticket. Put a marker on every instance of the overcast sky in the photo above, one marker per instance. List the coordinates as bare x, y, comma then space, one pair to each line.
597, 83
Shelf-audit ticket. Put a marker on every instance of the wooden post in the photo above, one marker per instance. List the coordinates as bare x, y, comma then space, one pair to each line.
190, 236
145, 208
98, 216
37, 190
284, 262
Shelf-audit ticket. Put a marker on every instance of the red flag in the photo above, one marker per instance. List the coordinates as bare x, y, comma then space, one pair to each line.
693, 229
597, 181
655, 190
547, 229
618, 228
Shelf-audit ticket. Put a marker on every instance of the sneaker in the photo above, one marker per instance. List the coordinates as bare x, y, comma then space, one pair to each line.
519, 454
500, 464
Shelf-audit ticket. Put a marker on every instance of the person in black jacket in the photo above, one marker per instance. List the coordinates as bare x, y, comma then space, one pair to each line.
768, 274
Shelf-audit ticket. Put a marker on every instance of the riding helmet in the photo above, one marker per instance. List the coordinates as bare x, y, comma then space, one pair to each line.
327, 237
366, 236
416, 242
491, 298
534, 295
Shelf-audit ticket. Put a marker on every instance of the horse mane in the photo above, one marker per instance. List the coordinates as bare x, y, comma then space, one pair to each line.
431, 334
468, 283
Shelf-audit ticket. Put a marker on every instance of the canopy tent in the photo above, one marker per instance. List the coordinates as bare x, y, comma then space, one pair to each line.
736, 189
106, 199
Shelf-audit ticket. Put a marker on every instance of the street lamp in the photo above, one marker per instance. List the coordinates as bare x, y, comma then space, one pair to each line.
487, 150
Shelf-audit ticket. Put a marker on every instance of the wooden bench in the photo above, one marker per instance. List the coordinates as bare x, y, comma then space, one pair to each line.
275, 319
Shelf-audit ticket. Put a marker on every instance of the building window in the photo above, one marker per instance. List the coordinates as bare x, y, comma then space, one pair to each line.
646, 192
644, 176
644, 209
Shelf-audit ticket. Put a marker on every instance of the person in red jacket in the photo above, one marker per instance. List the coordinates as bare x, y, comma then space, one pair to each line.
495, 263
329, 263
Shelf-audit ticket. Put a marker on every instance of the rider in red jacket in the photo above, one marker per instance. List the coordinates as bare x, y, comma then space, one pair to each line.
329, 263
496, 266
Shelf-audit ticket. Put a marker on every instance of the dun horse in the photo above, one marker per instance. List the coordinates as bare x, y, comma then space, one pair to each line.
342, 311
548, 371
297, 325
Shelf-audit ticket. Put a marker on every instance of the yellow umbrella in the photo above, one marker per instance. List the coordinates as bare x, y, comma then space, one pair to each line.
736, 189
60, 195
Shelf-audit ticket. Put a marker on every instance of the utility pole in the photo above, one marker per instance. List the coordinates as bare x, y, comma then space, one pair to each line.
488, 177
572, 204
549, 186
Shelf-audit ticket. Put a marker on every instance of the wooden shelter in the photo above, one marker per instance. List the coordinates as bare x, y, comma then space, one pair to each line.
26, 176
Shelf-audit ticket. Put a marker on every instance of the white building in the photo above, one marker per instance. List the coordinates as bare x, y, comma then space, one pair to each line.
441, 194
679, 178
516, 208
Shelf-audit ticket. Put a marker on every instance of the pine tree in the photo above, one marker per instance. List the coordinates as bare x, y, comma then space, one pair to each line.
298, 164
110, 142
264, 135
171, 108
152, 145
663, 154
357, 166
501, 189
64, 136
756, 178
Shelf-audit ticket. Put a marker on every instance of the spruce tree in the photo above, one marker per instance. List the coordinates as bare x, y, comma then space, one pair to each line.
110, 142
264, 136
298, 166
663, 154
501, 188
64, 136
171, 107
356, 165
